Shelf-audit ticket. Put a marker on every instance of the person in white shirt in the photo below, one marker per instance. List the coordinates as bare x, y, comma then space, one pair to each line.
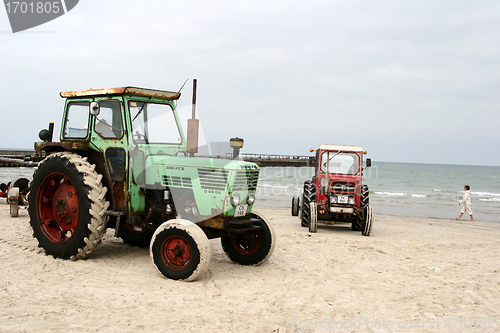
466, 203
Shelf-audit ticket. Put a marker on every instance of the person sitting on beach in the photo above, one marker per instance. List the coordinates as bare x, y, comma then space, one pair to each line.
466, 202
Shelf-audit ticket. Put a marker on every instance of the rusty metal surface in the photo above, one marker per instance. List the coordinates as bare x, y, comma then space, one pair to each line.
60, 146
119, 196
216, 222
120, 91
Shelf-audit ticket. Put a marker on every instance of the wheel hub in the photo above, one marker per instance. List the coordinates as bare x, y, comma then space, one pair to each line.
176, 253
61, 208
247, 243
66, 206
58, 207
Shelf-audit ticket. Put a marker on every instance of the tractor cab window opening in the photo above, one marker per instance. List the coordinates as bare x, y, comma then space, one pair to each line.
109, 122
153, 123
342, 163
77, 120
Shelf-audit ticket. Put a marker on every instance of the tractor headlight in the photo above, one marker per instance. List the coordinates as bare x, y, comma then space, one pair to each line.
192, 210
168, 209
235, 199
251, 198
351, 201
333, 199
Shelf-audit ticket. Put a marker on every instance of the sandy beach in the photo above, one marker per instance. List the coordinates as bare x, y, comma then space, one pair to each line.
411, 274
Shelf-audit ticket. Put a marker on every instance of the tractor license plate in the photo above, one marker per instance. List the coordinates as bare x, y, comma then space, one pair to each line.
343, 199
240, 210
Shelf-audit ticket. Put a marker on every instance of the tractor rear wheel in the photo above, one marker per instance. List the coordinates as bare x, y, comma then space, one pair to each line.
365, 196
357, 225
180, 250
251, 247
308, 197
135, 235
295, 206
67, 206
313, 221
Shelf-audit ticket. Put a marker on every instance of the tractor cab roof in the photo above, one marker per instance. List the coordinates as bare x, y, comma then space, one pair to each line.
340, 147
122, 91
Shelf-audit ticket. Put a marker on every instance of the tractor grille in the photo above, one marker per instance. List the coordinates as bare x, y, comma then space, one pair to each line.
244, 177
213, 179
342, 187
176, 181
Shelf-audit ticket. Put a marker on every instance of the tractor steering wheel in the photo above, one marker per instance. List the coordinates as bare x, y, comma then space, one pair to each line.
139, 136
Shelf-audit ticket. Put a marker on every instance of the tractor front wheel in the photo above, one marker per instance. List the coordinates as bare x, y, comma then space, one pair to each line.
67, 206
180, 250
368, 221
295, 206
251, 247
313, 220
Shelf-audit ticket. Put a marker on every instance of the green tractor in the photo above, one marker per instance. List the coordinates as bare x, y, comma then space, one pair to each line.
124, 162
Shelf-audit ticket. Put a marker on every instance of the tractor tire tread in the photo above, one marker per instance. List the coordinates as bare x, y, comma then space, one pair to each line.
96, 194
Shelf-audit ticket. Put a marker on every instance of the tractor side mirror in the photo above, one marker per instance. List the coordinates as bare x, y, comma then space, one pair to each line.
94, 108
368, 162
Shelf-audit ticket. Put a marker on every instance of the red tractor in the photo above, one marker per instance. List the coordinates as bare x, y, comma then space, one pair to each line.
335, 194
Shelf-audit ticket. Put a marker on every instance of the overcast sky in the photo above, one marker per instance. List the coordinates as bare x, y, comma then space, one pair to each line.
410, 81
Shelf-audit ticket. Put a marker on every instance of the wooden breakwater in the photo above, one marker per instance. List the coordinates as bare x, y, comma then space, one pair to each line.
17, 158
266, 160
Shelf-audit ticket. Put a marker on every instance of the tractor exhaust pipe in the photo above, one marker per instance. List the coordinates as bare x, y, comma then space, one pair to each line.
193, 127
236, 143
51, 131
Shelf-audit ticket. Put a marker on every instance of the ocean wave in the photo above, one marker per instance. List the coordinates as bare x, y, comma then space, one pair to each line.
391, 194
419, 195
437, 189
276, 186
485, 194
490, 199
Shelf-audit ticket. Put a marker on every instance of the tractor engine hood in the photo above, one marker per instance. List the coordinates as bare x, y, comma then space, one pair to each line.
208, 182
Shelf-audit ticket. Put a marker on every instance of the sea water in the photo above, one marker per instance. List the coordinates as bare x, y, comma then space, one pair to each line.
8, 174
405, 189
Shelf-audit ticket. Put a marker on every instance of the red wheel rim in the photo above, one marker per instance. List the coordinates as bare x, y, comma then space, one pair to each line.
247, 243
58, 207
133, 228
176, 253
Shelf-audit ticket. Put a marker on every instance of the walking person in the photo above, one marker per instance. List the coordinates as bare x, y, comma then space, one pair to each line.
466, 204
